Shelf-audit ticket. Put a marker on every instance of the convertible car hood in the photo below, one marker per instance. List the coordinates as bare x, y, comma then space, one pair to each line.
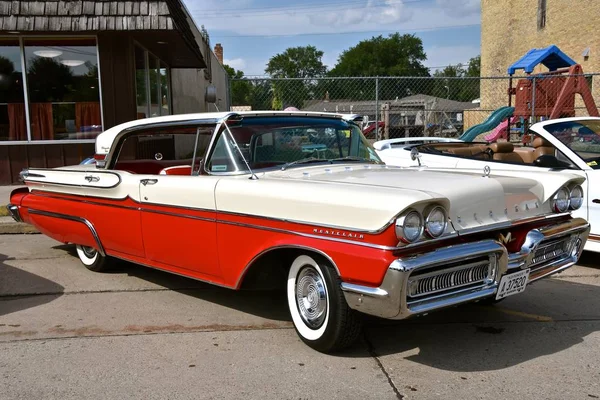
367, 197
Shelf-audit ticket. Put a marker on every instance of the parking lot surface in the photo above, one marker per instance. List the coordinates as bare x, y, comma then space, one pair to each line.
68, 333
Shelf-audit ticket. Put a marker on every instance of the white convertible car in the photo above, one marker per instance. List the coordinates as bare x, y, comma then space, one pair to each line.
560, 145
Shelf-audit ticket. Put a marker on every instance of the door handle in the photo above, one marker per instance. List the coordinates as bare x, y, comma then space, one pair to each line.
596, 201
92, 178
148, 181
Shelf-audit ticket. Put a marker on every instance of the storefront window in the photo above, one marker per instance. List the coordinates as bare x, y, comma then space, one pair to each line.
141, 85
153, 69
63, 88
12, 104
152, 83
165, 84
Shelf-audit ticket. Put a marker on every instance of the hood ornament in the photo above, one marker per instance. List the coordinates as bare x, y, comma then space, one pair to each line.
487, 171
415, 156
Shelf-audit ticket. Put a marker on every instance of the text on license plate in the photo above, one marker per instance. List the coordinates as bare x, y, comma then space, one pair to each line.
512, 284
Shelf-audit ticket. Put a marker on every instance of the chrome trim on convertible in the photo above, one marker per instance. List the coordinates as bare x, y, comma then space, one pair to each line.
72, 218
390, 299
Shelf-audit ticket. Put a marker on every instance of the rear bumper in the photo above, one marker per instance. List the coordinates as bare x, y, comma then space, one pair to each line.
14, 212
546, 251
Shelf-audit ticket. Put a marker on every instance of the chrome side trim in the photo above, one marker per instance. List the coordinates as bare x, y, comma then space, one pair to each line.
294, 247
364, 290
26, 177
178, 215
308, 235
72, 218
14, 212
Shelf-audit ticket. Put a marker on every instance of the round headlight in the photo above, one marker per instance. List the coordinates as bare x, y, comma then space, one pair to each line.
436, 221
409, 227
576, 198
560, 201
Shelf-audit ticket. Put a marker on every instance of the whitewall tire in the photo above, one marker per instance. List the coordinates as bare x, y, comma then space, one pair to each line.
317, 305
91, 258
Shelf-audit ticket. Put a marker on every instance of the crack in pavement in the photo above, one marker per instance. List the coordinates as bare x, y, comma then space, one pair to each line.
116, 335
375, 356
11, 296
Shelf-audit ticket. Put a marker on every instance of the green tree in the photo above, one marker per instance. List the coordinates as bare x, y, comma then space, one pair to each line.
240, 87
302, 63
474, 67
297, 62
49, 80
393, 56
396, 55
456, 82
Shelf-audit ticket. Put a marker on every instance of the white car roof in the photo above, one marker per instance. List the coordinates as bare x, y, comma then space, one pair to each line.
105, 139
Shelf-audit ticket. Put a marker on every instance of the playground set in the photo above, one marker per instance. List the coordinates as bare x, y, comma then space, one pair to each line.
541, 96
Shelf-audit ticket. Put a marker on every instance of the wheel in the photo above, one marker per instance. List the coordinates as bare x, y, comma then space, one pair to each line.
91, 258
317, 305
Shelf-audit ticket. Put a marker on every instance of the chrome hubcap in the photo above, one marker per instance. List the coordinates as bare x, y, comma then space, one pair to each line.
89, 252
311, 297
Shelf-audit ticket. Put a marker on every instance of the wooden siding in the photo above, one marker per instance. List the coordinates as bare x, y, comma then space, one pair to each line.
117, 71
15, 158
77, 15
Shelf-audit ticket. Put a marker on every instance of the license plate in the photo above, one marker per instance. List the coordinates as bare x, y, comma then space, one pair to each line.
512, 284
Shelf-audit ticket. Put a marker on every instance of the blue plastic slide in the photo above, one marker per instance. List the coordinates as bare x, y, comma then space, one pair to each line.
493, 121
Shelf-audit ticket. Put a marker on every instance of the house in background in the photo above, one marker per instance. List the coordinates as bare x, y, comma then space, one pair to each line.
415, 115
70, 69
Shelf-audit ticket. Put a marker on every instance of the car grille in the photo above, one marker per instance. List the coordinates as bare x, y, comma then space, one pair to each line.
458, 275
551, 251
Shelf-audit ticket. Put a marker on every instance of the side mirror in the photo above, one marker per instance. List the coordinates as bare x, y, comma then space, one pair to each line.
550, 161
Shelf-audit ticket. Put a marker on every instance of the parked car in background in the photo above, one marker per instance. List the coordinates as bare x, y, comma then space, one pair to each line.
303, 202
369, 130
559, 146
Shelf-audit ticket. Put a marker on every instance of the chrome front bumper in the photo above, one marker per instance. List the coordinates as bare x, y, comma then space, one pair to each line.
546, 251
14, 212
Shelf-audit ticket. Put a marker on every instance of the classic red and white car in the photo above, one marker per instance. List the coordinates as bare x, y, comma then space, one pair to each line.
302, 200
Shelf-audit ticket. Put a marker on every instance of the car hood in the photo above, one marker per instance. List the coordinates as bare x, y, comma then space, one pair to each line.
368, 197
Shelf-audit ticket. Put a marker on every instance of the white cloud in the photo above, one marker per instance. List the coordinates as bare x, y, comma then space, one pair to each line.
438, 56
236, 63
390, 11
460, 8
384, 15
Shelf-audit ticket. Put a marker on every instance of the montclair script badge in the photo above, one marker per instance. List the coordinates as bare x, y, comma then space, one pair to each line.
331, 232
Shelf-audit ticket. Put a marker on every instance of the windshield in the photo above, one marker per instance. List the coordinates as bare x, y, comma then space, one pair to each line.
582, 137
287, 142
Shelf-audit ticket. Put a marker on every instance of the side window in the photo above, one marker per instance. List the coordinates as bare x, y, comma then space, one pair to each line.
163, 151
225, 157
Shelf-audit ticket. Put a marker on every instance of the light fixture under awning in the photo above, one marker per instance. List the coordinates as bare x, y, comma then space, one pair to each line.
72, 63
47, 53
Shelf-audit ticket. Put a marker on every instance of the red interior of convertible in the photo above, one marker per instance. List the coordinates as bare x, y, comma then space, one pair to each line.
153, 167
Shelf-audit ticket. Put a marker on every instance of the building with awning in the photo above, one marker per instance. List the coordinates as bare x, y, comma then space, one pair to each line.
71, 69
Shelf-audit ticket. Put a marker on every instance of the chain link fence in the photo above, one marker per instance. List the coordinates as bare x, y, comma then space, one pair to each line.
427, 106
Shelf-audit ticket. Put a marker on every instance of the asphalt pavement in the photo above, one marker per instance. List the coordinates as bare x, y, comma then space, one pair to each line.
138, 333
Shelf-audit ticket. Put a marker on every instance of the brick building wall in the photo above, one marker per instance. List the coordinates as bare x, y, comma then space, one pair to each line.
509, 28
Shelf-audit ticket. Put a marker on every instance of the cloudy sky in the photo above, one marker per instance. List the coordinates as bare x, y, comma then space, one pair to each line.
252, 31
